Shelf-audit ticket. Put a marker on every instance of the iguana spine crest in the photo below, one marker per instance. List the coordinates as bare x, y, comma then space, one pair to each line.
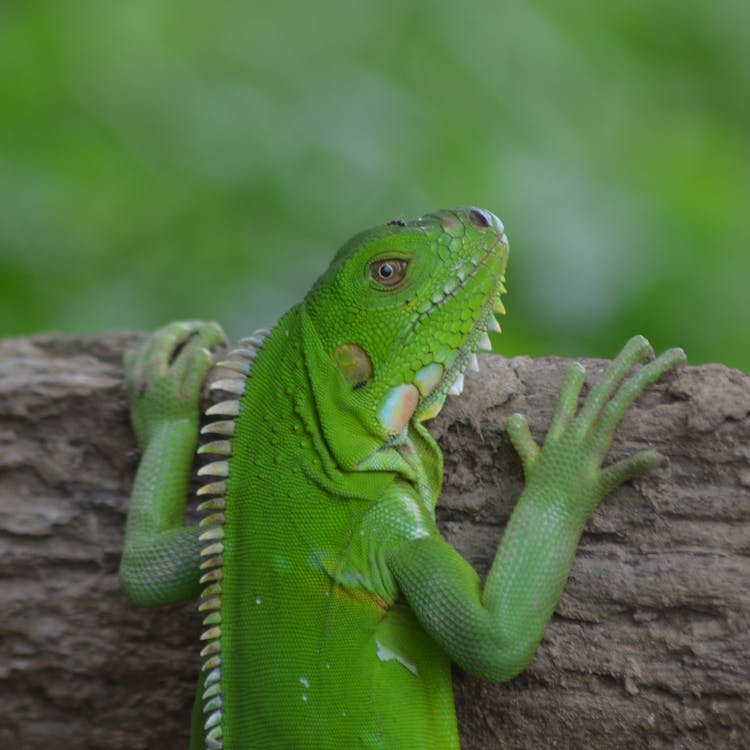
239, 364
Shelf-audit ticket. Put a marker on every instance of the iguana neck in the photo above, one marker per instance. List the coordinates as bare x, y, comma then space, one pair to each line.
344, 451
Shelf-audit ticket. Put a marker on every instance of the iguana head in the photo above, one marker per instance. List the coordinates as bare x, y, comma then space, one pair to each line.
403, 308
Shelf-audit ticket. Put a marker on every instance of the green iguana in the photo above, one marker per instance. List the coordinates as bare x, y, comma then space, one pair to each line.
332, 604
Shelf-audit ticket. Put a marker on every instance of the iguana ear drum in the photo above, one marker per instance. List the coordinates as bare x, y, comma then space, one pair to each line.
354, 363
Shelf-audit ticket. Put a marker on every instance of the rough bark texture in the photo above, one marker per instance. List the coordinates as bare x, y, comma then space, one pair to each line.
650, 646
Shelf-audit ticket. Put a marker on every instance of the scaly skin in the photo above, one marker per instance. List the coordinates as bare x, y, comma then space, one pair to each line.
333, 605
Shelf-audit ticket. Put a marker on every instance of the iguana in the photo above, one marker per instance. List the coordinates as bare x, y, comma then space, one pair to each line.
332, 604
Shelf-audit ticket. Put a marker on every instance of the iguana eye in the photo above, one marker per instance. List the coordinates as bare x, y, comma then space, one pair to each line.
388, 273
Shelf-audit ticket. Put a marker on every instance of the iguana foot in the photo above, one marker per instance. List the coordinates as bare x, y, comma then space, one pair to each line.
568, 465
165, 374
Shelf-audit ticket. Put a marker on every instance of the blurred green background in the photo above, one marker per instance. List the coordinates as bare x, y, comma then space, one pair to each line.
162, 160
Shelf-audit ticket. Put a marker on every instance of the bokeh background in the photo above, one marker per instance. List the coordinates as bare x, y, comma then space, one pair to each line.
178, 159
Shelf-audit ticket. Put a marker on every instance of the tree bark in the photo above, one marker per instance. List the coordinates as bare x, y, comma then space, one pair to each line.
649, 647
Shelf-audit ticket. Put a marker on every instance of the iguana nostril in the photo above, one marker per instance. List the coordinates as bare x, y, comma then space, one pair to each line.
479, 218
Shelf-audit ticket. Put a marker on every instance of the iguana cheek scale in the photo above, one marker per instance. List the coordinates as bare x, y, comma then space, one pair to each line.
331, 603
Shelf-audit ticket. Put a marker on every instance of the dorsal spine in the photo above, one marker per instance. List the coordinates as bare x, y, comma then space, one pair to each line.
238, 364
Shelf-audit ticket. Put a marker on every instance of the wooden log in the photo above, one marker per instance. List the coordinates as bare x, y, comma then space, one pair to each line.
649, 647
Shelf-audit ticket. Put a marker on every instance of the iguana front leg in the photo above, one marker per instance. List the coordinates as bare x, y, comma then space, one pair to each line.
161, 557
493, 632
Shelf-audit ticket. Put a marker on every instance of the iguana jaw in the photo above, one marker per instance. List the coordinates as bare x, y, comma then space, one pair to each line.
436, 381
424, 397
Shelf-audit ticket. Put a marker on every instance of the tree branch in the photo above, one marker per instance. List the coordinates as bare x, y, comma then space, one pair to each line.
648, 648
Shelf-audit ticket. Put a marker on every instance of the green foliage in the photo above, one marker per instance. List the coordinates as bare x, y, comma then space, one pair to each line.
163, 159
